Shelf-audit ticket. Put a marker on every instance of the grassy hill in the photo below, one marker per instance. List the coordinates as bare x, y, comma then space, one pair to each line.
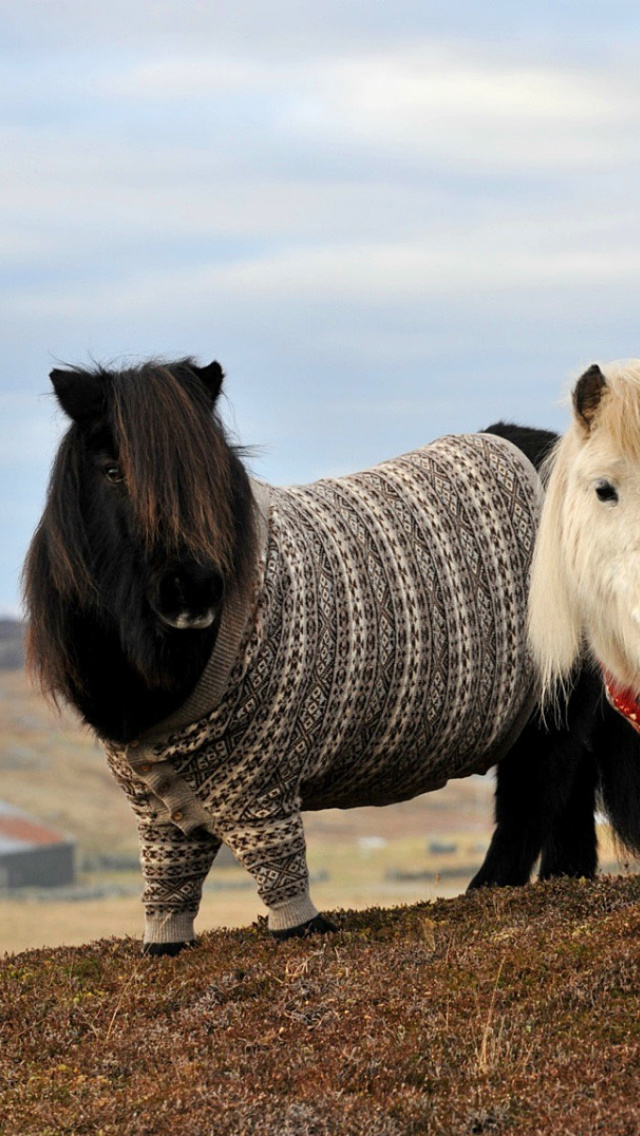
515, 1011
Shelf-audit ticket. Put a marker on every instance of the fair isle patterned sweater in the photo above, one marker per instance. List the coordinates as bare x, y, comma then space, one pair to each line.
382, 653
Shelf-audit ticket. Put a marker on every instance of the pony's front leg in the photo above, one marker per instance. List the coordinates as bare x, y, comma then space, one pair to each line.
274, 852
174, 867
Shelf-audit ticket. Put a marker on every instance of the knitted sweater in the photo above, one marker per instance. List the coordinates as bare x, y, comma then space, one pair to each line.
382, 653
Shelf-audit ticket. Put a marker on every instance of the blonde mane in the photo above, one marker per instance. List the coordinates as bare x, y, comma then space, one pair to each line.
573, 605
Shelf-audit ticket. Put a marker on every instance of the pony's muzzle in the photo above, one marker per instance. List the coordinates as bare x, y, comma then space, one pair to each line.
186, 596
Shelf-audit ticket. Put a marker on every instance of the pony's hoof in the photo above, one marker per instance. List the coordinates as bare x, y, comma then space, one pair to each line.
155, 950
319, 925
480, 880
473, 886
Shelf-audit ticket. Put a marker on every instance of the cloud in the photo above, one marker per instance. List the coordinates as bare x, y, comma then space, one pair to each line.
473, 112
451, 260
391, 159
242, 191
305, 27
391, 90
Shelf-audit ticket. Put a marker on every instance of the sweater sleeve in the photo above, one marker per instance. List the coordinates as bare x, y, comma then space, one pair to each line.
174, 868
274, 852
174, 863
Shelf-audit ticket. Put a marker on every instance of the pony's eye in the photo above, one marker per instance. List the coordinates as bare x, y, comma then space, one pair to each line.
605, 491
113, 473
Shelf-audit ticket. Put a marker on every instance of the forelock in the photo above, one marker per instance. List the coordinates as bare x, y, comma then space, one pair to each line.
175, 460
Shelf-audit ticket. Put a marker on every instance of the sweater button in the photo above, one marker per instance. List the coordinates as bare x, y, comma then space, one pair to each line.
178, 815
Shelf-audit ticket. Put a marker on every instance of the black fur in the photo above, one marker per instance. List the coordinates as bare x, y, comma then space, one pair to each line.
548, 786
588, 394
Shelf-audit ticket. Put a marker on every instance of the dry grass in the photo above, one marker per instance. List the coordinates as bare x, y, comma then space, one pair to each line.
513, 1011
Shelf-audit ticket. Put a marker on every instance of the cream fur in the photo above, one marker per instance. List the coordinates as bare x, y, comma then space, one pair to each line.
585, 584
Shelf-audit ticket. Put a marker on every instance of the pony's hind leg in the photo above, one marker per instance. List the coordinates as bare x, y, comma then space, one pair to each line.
519, 815
541, 803
571, 847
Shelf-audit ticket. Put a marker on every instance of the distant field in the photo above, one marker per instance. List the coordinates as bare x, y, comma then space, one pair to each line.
345, 876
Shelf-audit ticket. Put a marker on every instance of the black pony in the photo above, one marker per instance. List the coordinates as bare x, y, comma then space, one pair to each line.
548, 786
149, 535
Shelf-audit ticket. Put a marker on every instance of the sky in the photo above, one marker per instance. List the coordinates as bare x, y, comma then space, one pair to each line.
388, 221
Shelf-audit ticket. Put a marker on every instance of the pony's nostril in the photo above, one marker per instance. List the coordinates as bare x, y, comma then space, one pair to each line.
180, 589
189, 596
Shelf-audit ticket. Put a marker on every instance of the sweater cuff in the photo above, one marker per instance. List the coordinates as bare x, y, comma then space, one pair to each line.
169, 929
292, 913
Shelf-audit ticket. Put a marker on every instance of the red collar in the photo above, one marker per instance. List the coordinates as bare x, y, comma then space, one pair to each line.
623, 700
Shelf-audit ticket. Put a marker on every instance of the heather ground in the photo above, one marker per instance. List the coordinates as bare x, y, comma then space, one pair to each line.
507, 1011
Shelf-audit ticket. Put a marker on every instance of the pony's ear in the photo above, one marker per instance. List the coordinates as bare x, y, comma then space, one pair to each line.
211, 377
80, 394
587, 395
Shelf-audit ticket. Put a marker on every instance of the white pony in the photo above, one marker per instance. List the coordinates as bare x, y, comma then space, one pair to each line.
585, 586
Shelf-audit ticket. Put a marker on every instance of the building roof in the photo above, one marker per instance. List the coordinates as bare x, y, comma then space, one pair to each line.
20, 832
